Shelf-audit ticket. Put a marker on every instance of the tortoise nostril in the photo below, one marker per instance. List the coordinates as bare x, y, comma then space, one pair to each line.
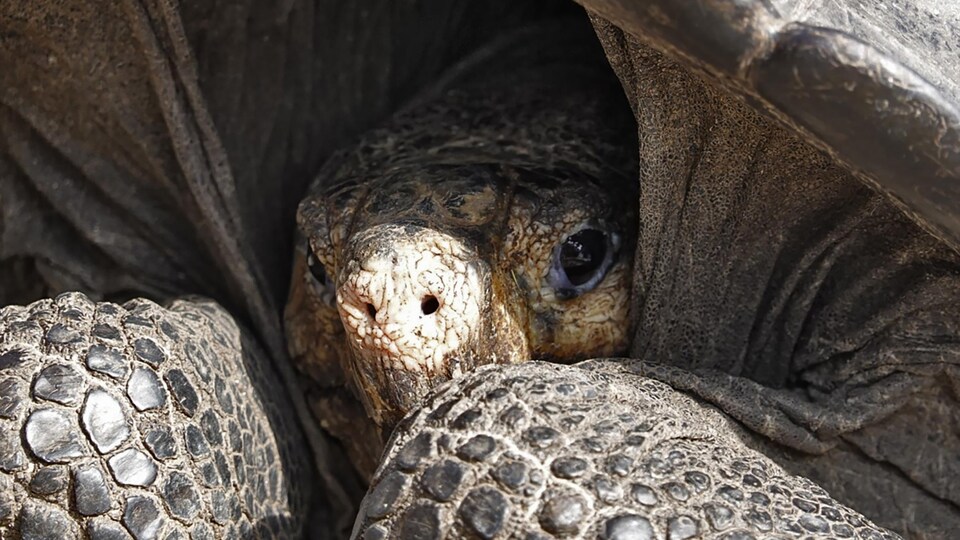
372, 311
429, 304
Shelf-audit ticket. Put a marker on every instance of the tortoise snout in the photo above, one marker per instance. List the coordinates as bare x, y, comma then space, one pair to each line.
394, 292
409, 298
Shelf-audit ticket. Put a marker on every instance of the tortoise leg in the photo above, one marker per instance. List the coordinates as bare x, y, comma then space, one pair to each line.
160, 422
541, 450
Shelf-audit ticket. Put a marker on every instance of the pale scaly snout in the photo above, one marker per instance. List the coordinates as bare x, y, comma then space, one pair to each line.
410, 300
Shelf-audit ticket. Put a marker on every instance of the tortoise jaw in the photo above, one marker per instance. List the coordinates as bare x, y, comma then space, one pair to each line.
389, 394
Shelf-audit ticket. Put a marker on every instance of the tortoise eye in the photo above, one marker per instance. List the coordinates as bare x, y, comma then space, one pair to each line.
581, 261
316, 268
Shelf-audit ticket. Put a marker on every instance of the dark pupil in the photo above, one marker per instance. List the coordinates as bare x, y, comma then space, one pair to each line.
319, 273
582, 254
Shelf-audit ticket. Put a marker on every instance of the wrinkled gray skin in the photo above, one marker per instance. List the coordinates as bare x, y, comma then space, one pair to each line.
138, 158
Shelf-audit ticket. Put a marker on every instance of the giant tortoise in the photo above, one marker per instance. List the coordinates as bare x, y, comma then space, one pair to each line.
763, 256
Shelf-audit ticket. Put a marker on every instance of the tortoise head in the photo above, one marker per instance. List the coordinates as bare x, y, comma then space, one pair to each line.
490, 221
434, 269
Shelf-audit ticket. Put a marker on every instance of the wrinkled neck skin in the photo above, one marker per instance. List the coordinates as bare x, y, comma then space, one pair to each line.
436, 236
798, 300
758, 255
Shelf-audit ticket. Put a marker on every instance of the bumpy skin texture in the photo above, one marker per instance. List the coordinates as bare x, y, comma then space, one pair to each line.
463, 199
590, 451
136, 420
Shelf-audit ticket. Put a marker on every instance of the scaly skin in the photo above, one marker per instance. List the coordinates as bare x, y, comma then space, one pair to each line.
161, 422
541, 451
